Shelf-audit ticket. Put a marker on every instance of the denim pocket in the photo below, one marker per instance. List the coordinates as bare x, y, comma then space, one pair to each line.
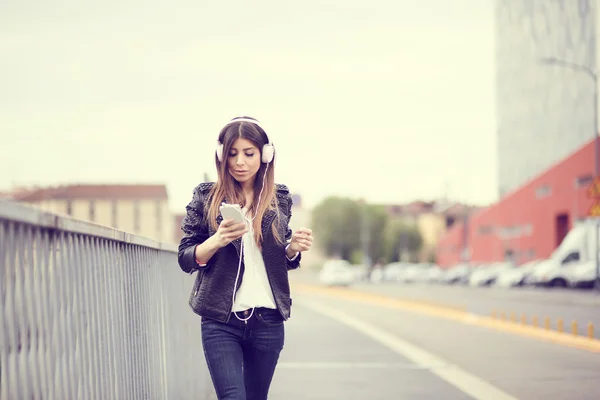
270, 318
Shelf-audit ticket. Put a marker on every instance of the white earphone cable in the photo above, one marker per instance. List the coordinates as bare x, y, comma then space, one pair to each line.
242, 250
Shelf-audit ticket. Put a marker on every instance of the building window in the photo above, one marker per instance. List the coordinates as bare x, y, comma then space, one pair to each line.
485, 230
69, 207
512, 232
136, 216
543, 191
115, 215
92, 211
583, 181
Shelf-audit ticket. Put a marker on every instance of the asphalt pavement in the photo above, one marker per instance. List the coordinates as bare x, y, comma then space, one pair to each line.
325, 359
341, 349
582, 306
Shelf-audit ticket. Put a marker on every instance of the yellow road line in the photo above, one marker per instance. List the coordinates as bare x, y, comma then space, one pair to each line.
455, 314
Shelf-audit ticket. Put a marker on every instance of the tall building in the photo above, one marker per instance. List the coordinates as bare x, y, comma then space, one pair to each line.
544, 112
139, 209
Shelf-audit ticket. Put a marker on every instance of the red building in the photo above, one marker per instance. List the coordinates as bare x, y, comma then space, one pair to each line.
528, 223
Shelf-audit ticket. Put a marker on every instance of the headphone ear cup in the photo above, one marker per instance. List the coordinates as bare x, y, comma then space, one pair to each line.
268, 153
219, 151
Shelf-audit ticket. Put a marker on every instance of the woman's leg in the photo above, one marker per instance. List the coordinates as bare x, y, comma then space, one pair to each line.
222, 345
261, 353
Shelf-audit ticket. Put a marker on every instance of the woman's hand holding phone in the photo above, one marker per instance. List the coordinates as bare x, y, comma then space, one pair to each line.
230, 230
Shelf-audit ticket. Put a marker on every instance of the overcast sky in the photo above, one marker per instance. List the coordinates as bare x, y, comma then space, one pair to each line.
388, 100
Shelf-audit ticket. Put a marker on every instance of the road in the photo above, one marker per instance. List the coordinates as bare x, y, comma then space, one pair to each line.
569, 305
344, 349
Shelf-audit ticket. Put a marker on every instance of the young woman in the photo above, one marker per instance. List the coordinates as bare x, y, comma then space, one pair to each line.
242, 290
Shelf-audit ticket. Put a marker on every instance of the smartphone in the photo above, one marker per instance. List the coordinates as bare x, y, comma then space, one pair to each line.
232, 211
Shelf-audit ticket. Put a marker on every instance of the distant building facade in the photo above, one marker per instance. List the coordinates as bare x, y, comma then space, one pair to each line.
139, 209
530, 222
432, 219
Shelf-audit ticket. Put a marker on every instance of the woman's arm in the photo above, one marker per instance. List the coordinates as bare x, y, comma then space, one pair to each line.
195, 239
292, 258
197, 247
204, 251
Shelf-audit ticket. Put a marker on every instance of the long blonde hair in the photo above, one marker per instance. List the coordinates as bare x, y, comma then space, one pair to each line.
228, 188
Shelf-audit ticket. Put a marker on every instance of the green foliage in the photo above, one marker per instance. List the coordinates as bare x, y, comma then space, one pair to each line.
343, 227
432, 258
336, 224
356, 257
376, 220
402, 239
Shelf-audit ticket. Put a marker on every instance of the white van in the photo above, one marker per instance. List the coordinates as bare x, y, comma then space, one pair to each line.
577, 248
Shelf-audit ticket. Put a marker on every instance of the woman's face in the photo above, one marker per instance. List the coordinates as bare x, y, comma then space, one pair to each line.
243, 160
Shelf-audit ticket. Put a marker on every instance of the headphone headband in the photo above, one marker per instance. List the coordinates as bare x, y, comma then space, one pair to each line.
268, 150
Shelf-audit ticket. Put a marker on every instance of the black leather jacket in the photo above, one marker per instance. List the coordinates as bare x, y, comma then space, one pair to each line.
213, 289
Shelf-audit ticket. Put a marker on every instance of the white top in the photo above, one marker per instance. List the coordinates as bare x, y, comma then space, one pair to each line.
255, 290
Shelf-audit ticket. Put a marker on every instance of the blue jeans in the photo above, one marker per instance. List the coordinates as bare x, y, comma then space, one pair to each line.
242, 356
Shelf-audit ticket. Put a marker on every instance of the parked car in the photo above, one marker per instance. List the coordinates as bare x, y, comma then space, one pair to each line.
486, 275
413, 273
516, 276
392, 272
337, 273
434, 274
458, 274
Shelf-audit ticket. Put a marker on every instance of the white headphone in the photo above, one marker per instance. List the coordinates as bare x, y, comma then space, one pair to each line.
268, 150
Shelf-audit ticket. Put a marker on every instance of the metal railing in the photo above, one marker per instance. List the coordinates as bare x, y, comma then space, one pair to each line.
89, 312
